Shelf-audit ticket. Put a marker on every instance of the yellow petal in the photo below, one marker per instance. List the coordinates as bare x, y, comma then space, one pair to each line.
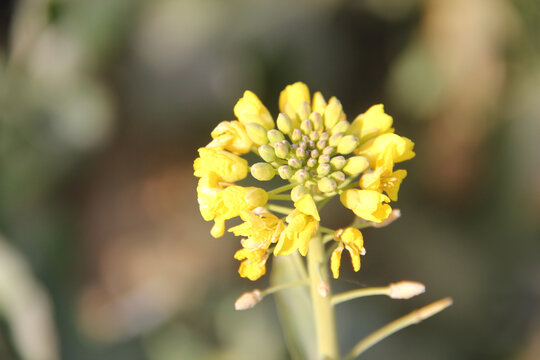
335, 261
228, 166
400, 147
306, 205
249, 109
231, 136
253, 264
367, 204
319, 104
291, 98
355, 256
373, 122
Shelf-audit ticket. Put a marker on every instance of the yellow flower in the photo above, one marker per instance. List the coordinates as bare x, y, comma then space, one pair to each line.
400, 148
292, 97
249, 109
231, 136
385, 180
367, 204
303, 223
261, 229
352, 240
318, 104
220, 204
226, 165
373, 122
253, 264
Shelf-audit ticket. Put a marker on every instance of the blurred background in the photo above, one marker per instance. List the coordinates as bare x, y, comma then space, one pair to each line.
103, 104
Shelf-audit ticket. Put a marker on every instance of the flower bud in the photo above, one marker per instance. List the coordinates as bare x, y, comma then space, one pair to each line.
324, 158
323, 169
304, 109
275, 136
355, 165
332, 114
311, 162
338, 162
324, 136
296, 135
284, 123
317, 120
300, 176
295, 163
342, 127
301, 153
314, 153
266, 152
314, 135
405, 289
334, 139
285, 172
329, 150
298, 191
347, 144
306, 126
248, 300
338, 176
263, 171
257, 133
321, 144
326, 185
282, 149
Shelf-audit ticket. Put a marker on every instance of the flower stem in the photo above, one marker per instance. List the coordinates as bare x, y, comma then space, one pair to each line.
353, 294
281, 189
280, 287
279, 209
323, 310
410, 319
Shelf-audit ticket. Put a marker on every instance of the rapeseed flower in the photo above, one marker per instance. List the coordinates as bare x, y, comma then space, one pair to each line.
319, 154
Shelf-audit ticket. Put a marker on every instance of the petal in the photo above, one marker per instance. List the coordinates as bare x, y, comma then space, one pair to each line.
250, 109
335, 261
306, 205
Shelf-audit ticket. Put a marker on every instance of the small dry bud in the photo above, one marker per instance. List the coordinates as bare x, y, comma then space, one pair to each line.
323, 288
248, 300
406, 289
394, 215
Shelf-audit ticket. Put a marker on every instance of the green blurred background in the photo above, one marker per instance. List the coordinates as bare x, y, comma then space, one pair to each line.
103, 103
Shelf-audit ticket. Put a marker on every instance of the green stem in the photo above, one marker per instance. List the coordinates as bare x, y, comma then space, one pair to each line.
326, 230
280, 287
410, 319
281, 189
279, 197
353, 294
280, 209
325, 327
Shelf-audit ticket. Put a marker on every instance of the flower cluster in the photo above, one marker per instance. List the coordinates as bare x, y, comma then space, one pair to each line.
319, 153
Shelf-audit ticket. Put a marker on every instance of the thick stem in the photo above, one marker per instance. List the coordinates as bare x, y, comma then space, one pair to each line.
325, 326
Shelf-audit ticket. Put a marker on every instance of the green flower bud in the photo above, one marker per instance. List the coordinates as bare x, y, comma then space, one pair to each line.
342, 127
257, 133
301, 176
311, 162
355, 165
284, 123
347, 144
332, 114
296, 135
314, 135
301, 153
321, 144
334, 139
338, 176
298, 191
303, 111
316, 120
306, 126
314, 153
266, 152
295, 163
324, 136
329, 150
326, 185
311, 185
323, 169
275, 136
262, 171
282, 149
338, 162
324, 158
285, 172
